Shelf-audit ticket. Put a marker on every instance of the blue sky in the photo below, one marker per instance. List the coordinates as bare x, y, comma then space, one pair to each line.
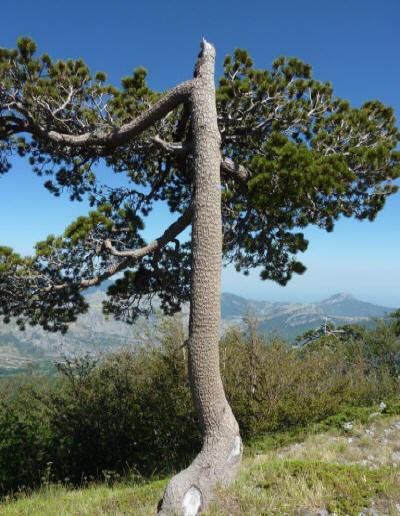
353, 43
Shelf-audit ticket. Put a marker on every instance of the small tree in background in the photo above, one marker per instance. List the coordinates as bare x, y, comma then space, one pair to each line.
246, 166
395, 317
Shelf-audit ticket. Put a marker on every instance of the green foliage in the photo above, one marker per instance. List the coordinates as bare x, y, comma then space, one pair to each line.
65, 95
131, 412
274, 386
379, 346
23, 435
9, 259
315, 475
166, 275
309, 157
49, 307
395, 316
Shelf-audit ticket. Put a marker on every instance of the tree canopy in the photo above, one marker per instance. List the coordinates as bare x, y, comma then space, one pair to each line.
292, 154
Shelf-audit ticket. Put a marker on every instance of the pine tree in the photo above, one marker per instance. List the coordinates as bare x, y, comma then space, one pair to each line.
246, 166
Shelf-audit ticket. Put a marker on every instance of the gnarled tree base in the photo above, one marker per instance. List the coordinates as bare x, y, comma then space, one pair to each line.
191, 490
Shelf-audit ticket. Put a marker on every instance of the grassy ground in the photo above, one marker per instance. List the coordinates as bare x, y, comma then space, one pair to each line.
95, 500
345, 472
342, 472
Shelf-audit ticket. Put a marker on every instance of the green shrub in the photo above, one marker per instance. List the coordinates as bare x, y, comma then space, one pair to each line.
131, 411
274, 386
24, 437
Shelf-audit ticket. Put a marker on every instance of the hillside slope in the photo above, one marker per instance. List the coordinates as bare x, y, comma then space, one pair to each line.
354, 472
93, 333
288, 320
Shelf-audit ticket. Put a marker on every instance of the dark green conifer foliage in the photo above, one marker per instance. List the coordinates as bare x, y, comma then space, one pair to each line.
293, 154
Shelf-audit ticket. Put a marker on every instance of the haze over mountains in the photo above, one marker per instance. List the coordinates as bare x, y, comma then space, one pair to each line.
93, 333
289, 320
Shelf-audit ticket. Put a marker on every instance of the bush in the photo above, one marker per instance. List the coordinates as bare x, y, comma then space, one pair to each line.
24, 436
274, 386
131, 412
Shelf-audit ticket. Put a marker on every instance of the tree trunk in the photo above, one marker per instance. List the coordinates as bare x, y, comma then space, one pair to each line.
192, 489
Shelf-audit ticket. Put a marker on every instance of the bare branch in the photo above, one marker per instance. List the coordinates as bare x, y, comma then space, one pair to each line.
178, 148
96, 280
118, 136
169, 235
133, 255
229, 167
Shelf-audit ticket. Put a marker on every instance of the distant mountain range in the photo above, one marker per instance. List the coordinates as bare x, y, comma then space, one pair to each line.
289, 320
93, 333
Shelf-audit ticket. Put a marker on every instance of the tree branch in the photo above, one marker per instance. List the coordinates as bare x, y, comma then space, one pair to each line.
133, 255
228, 166
178, 148
118, 136
169, 235
182, 124
231, 168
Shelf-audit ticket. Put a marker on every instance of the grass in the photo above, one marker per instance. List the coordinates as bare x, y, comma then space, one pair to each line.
357, 415
306, 487
342, 472
292, 473
96, 500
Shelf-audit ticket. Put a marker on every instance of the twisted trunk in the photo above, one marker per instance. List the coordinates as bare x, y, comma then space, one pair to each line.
191, 490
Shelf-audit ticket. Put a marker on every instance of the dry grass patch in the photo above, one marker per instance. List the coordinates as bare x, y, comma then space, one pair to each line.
374, 445
294, 487
343, 473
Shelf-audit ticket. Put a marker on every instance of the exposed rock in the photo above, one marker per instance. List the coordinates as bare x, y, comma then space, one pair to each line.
348, 425
382, 406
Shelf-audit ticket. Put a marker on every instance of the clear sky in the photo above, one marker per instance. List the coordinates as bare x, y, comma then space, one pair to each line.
352, 43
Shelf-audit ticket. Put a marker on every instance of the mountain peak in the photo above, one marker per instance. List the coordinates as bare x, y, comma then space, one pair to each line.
339, 298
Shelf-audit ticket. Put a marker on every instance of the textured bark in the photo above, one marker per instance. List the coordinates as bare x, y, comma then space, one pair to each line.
192, 489
109, 138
